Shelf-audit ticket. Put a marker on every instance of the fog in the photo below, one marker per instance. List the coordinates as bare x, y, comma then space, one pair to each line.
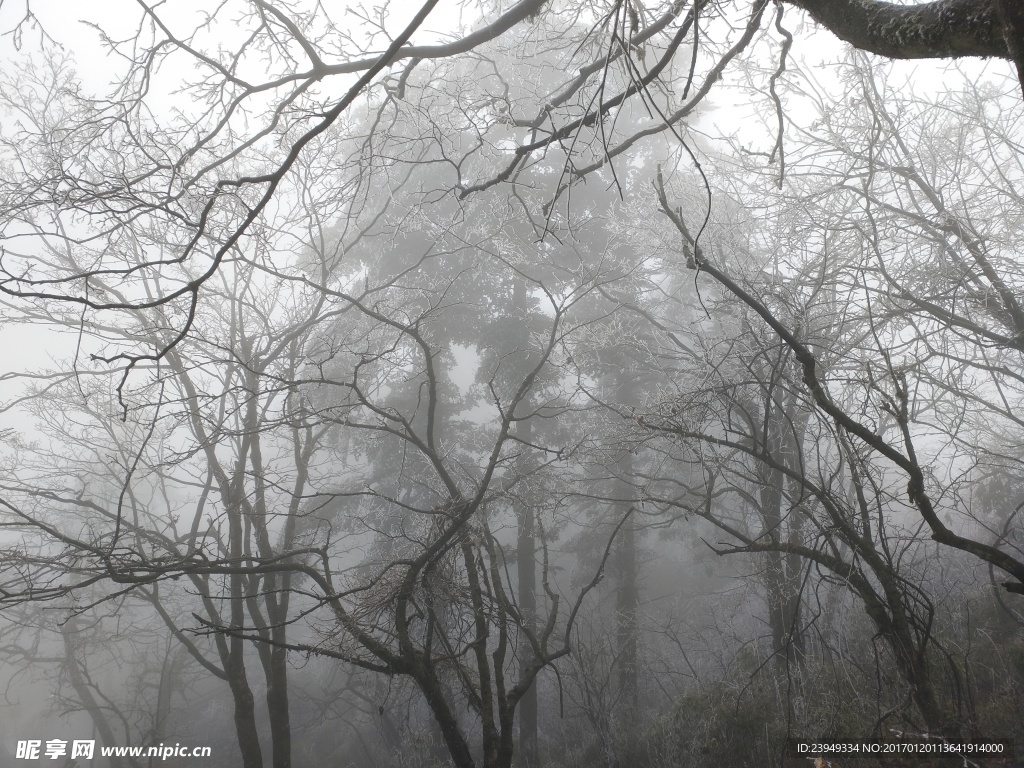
493, 385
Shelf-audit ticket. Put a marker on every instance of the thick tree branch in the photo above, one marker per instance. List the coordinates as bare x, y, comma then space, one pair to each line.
942, 29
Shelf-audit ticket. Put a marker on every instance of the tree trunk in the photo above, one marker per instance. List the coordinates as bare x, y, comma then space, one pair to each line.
277, 708
245, 711
782, 577
447, 723
627, 596
233, 650
627, 601
783, 435
526, 544
85, 694
526, 560
910, 654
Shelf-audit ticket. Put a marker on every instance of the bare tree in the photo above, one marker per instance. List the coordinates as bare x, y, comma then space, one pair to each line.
214, 465
347, 280
865, 387
94, 171
891, 389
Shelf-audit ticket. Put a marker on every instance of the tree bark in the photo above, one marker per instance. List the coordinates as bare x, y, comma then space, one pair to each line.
277, 707
1011, 15
942, 29
458, 749
245, 714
